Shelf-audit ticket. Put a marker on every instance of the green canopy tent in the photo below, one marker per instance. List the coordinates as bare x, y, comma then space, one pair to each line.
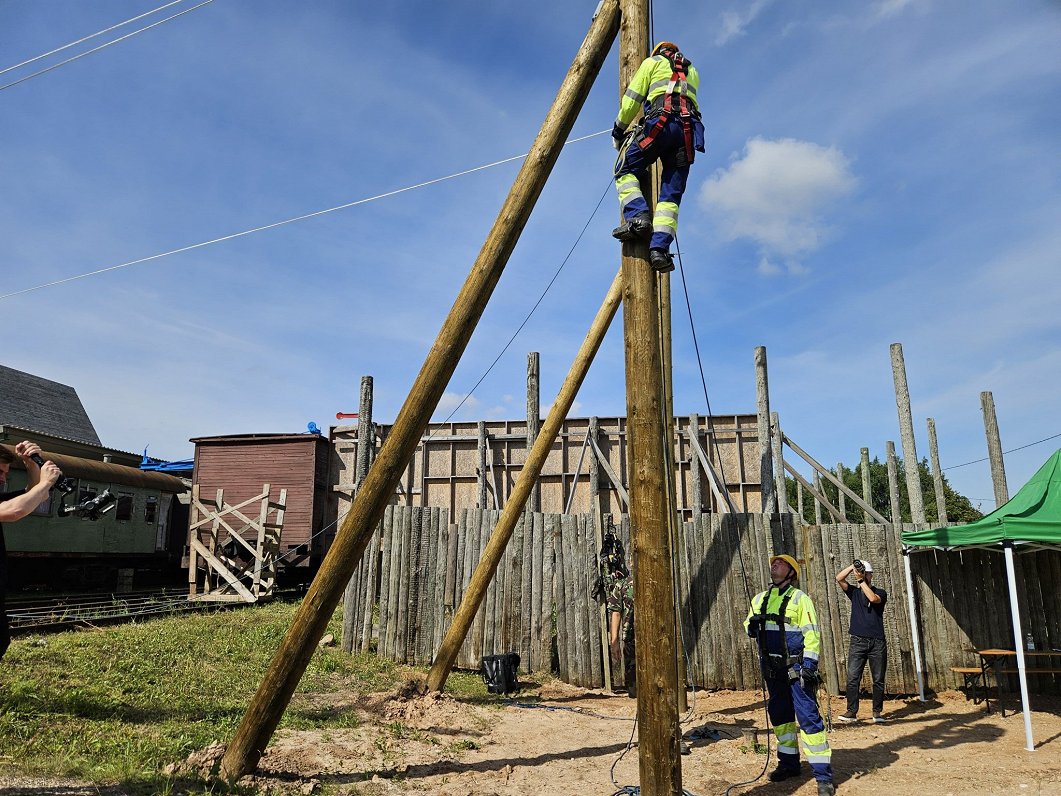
1029, 521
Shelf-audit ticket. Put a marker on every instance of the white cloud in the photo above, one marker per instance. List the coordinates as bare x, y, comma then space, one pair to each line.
775, 194
889, 8
733, 23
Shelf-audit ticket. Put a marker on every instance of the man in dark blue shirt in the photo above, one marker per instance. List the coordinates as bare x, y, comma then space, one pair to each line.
867, 637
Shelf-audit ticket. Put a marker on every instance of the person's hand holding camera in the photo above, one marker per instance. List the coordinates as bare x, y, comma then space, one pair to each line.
31, 452
860, 570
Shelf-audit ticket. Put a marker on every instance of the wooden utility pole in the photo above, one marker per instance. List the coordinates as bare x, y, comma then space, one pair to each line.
906, 436
867, 488
994, 449
657, 671
290, 661
766, 471
534, 418
937, 473
779, 464
362, 460
514, 506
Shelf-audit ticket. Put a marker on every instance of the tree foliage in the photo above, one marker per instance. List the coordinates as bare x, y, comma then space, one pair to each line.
959, 508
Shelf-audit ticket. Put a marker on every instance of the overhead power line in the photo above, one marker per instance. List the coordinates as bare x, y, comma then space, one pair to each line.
1012, 450
285, 221
101, 47
82, 40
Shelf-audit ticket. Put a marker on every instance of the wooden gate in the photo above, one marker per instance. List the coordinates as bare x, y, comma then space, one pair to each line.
234, 564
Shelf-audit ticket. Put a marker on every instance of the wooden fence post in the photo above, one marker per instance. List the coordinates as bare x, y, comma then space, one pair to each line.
766, 471
534, 420
937, 474
893, 487
906, 435
994, 449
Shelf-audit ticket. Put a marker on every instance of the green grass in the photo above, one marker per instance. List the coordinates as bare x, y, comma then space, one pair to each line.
119, 704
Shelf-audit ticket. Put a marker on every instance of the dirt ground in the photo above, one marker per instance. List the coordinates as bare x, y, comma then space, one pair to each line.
572, 742
557, 739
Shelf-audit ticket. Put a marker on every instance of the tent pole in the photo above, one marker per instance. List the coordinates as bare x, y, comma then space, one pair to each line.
913, 625
1018, 642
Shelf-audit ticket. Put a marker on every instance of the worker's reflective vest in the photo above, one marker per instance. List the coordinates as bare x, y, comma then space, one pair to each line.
664, 88
801, 635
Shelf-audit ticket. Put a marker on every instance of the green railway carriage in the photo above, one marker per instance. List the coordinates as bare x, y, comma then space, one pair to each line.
140, 538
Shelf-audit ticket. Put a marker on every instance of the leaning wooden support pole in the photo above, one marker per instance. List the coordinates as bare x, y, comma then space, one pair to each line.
290, 661
514, 506
658, 730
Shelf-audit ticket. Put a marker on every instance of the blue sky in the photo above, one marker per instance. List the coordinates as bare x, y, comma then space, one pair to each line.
876, 172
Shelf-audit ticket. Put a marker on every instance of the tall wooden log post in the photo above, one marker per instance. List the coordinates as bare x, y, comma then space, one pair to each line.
657, 671
362, 458
514, 507
867, 487
906, 436
766, 470
994, 449
937, 473
290, 661
534, 418
779, 464
893, 487
841, 503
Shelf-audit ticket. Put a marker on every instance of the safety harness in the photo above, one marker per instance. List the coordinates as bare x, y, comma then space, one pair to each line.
777, 665
671, 102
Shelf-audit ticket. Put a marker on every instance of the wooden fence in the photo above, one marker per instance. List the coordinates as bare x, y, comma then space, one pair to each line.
401, 600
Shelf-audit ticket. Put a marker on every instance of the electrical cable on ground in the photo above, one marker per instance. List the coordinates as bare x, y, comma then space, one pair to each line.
83, 39
102, 46
276, 224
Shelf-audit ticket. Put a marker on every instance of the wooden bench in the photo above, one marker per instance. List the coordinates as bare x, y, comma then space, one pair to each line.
1032, 670
973, 675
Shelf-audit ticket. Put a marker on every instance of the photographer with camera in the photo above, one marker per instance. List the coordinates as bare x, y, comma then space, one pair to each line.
16, 505
867, 637
783, 621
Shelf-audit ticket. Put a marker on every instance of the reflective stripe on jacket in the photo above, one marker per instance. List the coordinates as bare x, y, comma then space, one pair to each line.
650, 81
801, 625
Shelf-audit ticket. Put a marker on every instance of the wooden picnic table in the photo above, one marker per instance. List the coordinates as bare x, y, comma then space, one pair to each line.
995, 660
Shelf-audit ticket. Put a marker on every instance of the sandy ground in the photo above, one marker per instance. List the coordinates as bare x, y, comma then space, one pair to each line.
557, 739
572, 742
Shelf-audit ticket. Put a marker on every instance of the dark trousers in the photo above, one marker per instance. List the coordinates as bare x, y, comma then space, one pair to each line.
863, 649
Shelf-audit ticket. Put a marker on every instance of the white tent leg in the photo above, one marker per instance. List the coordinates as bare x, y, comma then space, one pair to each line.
913, 626
1018, 642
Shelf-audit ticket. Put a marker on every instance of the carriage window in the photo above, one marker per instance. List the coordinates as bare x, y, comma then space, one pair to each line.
151, 510
123, 512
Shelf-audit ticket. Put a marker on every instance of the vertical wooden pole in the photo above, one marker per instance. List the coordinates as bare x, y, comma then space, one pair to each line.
841, 503
994, 448
766, 472
657, 674
695, 484
867, 488
799, 504
779, 465
906, 436
817, 503
514, 507
290, 661
481, 473
893, 487
362, 460
937, 473
594, 471
534, 419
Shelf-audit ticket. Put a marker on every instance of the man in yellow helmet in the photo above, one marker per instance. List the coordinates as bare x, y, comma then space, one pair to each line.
783, 621
664, 88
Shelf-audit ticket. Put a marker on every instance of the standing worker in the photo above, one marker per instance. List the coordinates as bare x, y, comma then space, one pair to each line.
783, 620
867, 638
16, 505
621, 626
664, 87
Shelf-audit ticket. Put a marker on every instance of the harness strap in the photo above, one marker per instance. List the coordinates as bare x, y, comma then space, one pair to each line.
679, 64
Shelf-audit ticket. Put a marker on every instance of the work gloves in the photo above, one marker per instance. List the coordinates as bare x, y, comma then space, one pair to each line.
618, 136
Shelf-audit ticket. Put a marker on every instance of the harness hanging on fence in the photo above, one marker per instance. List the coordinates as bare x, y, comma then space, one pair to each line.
674, 100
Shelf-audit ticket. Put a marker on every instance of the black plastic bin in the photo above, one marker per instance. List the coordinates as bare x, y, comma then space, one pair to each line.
499, 672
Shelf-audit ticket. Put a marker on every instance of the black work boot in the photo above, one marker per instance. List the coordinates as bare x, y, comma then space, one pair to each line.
826, 789
637, 228
782, 773
661, 261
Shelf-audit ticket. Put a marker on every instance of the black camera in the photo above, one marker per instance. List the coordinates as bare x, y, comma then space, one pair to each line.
91, 508
860, 568
64, 484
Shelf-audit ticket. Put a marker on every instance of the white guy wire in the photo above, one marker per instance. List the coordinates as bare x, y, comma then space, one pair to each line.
286, 221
